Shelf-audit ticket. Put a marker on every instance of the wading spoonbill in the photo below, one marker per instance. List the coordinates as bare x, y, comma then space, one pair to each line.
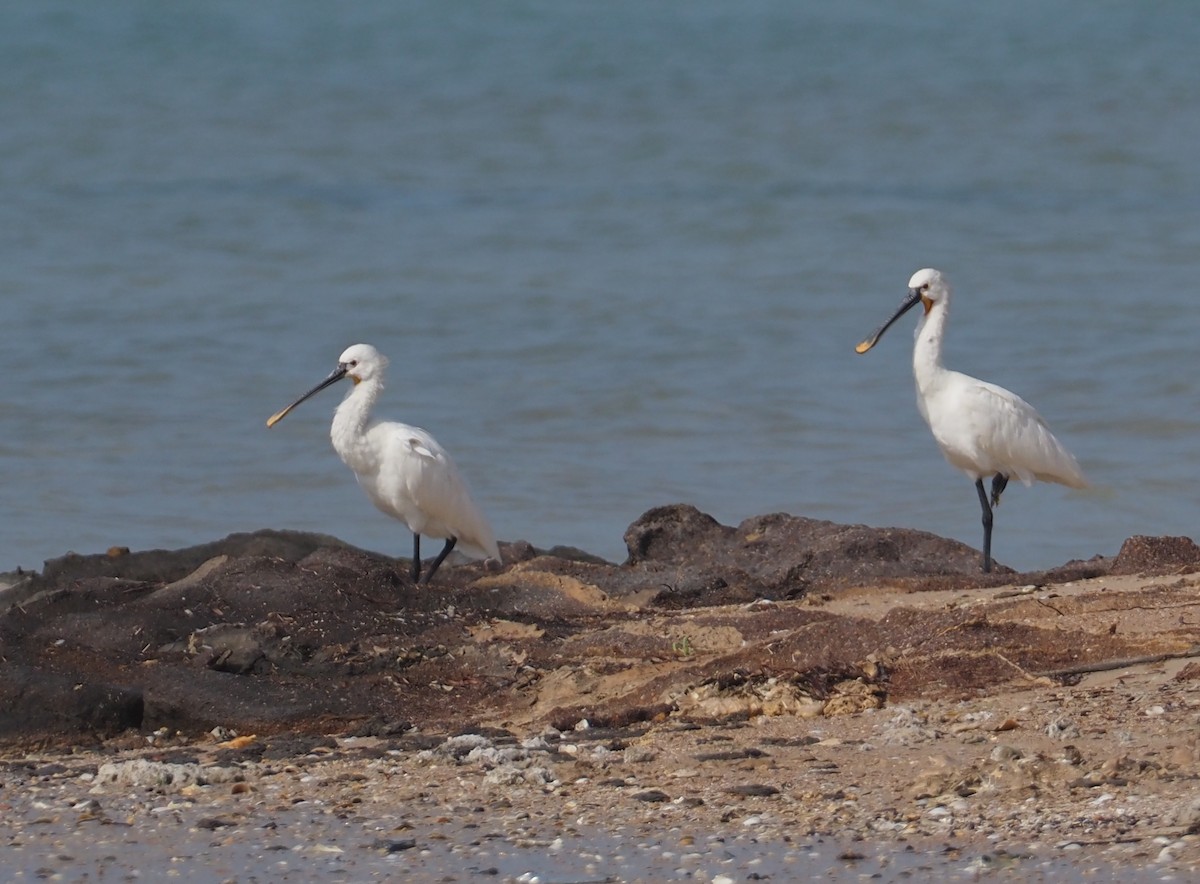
403, 469
982, 429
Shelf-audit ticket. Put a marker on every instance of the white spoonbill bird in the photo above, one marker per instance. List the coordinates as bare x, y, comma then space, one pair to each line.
403, 469
982, 429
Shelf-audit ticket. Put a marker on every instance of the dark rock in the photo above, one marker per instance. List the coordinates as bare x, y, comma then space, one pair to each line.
168, 565
394, 845
1161, 555
378, 727
733, 755
672, 534
229, 647
280, 632
781, 556
36, 701
753, 790
294, 745
615, 737
574, 554
806, 740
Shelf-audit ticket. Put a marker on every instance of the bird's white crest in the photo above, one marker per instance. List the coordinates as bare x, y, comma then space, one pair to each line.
403, 469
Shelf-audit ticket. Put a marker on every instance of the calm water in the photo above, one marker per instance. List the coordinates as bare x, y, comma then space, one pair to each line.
619, 253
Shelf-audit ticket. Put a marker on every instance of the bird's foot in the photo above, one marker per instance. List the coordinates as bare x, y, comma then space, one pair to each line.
999, 483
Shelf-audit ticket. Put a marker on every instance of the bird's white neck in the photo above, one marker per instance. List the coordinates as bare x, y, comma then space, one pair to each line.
927, 350
349, 430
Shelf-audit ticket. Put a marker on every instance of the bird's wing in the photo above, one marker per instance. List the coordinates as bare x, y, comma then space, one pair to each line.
424, 482
1017, 440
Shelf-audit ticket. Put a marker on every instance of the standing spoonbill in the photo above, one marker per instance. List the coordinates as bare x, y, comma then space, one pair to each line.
982, 429
403, 469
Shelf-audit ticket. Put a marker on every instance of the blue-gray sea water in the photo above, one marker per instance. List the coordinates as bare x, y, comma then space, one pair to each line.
619, 254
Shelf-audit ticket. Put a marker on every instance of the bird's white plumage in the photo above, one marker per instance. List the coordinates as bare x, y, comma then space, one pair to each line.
410, 476
403, 469
982, 429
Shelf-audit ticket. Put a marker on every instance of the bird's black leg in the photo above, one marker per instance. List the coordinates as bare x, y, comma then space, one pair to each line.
416, 562
999, 483
450, 541
987, 525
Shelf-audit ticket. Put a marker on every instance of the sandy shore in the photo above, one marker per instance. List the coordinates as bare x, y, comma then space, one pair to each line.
1041, 781
1036, 778
297, 712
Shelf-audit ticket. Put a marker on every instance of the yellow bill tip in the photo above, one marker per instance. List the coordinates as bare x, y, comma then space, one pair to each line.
277, 417
861, 348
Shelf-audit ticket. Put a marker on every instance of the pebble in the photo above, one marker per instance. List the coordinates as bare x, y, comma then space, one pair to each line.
1062, 729
161, 776
638, 755
753, 790
394, 845
1003, 753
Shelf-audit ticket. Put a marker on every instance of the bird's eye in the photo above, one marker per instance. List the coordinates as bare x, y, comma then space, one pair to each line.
352, 363
925, 288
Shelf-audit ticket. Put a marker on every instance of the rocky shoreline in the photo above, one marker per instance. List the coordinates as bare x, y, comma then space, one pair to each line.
750, 692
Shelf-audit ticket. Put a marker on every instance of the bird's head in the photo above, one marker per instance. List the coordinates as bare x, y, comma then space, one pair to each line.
927, 287
362, 362
930, 286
